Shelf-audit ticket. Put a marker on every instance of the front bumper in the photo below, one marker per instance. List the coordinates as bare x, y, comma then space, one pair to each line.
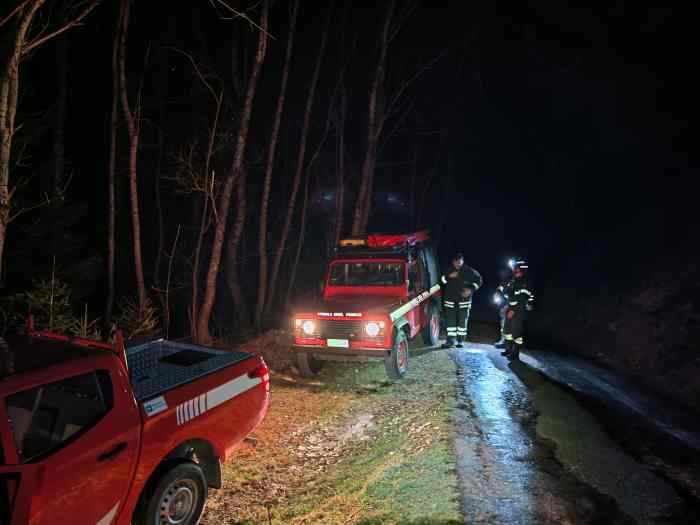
377, 353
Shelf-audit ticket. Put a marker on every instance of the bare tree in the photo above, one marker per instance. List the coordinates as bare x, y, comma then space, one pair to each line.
373, 127
21, 44
340, 184
201, 180
133, 127
305, 200
203, 335
269, 164
111, 172
379, 111
232, 248
299, 170
342, 110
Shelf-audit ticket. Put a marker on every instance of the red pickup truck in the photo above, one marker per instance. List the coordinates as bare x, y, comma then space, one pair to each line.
92, 433
379, 292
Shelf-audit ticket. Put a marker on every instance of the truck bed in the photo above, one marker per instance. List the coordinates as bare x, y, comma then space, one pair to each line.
158, 366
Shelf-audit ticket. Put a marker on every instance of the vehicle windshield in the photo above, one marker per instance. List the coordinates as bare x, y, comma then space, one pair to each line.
367, 274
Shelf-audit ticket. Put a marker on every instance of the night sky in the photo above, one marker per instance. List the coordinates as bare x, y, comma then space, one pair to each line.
564, 127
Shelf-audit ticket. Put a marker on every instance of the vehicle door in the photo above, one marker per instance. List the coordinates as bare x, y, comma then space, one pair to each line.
416, 286
82, 432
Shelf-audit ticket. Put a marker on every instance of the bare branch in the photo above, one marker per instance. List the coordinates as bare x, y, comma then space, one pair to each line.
22, 211
392, 105
13, 12
197, 70
239, 14
404, 15
27, 48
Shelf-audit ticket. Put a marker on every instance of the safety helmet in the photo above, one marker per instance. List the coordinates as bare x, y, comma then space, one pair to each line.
520, 267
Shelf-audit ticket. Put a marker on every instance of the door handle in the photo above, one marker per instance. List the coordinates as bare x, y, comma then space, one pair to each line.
112, 453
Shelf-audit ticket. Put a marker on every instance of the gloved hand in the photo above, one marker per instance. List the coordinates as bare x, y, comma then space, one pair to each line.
529, 307
510, 313
466, 293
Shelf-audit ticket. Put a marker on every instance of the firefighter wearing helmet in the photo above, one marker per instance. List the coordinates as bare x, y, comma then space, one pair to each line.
459, 282
520, 300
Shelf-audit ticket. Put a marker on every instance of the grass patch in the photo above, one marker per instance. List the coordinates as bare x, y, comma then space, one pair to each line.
404, 473
349, 447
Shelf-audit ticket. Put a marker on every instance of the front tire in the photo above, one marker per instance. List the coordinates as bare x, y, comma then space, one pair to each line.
178, 498
308, 365
396, 363
431, 331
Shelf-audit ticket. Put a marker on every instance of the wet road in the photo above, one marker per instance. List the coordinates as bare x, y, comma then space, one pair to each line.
530, 453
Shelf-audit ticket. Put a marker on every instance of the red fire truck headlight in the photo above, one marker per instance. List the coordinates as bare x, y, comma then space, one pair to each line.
307, 326
374, 328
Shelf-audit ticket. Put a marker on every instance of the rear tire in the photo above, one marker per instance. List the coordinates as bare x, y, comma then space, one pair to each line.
396, 363
177, 497
308, 365
431, 331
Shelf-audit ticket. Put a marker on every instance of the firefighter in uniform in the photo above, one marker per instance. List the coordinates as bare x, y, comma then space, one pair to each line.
459, 282
520, 300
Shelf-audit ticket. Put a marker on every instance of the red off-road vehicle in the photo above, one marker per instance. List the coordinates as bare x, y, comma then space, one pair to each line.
97, 434
379, 292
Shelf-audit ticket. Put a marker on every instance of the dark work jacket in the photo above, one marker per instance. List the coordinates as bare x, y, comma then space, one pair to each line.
519, 293
452, 287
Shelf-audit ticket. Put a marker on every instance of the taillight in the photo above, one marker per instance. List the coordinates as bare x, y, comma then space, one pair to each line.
262, 371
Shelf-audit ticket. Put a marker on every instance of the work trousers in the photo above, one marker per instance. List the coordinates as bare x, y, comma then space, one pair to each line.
514, 325
456, 319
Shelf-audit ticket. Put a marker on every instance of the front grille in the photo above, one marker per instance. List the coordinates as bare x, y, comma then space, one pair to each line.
341, 329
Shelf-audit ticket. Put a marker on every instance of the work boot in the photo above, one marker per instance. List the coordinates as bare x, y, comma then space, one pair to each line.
507, 349
459, 342
448, 344
516, 352
500, 344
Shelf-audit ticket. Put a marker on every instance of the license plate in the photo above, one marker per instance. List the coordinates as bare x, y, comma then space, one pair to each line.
338, 343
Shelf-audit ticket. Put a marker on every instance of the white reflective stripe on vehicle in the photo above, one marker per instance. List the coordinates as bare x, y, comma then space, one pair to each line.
410, 305
223, 393
109, 517
197, 406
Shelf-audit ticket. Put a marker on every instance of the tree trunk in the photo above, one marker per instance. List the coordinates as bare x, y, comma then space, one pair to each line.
133, 128
9, 90
16, 47
265, 200
58, 153
203, 335
274, 276
300, 243
111, 171
232, 272
364, 198
340, 189
205, 219
342, 109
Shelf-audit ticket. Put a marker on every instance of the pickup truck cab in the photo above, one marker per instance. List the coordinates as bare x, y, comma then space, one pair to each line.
93, 433
379, 292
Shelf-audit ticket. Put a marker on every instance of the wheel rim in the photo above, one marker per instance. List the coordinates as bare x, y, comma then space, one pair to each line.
402, 355
435, 327
178, 503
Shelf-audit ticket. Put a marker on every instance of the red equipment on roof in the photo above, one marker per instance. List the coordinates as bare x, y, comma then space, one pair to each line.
409, 239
